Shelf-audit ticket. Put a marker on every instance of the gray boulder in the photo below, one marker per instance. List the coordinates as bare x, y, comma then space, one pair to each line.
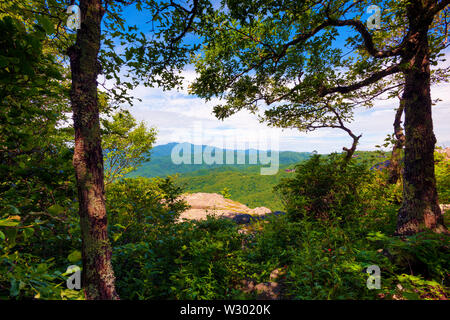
242, 218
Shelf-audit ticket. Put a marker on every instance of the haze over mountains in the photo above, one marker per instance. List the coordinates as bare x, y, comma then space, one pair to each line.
161, 163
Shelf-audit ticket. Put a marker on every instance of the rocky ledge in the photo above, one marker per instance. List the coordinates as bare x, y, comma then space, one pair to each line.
204, 204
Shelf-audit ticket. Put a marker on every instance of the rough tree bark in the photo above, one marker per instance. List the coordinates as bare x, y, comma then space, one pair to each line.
420, 208
395, 169
98, 276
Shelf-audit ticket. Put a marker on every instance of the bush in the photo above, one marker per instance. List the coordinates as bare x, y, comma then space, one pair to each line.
188, 260
442, 170
135, 205
325, 188
323, 260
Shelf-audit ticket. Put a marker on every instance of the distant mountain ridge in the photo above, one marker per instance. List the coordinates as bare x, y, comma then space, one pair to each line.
166, 149
245, 184
161, 163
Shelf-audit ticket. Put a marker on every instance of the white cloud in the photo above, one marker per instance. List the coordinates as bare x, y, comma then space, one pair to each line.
176, 115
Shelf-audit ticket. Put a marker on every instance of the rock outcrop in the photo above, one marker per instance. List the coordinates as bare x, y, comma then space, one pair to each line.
204, 204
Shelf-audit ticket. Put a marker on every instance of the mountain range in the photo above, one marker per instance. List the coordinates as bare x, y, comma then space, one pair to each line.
161, 163
242, 182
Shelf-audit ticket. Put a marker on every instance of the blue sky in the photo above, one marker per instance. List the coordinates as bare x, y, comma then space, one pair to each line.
180, 117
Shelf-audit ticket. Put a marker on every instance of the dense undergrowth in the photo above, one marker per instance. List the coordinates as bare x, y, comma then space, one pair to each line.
339, 221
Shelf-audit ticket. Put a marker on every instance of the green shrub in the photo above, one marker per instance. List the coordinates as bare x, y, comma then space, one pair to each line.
325, 188
442, 170
323, 259
135, 205
188, 260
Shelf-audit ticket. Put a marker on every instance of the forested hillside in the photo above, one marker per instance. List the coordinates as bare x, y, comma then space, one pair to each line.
245, 185
244, 182
161, 163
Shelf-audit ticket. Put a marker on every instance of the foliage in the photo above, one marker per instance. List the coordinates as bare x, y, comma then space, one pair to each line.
28, 276
189, 260
309, 64
34, 248
225, 193
425, 253
136, 206
325, 188
416, 288
29, 93
156, 256
36, 177
322, 259
126, 144
442, 171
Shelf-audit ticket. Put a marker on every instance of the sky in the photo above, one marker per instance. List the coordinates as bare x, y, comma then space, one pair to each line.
180, 117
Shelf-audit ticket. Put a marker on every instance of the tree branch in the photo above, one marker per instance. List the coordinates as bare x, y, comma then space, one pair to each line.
367, 38
438, 7
193, 13
363, 83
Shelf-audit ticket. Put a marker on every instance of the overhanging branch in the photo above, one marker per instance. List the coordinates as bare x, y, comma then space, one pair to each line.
363, 83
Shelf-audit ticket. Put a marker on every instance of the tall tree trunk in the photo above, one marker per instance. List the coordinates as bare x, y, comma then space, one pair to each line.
395, 167
420, 208
98, 276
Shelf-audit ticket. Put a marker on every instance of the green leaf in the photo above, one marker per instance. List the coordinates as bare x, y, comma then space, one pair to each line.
74, 256
14, 210
47, 24
8, 223
14, 289
55, 209
116, 236
42, 267
28, 232
411, 295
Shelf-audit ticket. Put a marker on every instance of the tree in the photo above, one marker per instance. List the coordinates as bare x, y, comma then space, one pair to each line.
155, 61
98, 275
94, 53
32, 101
30, 91
281, 56
127, 144
146, 61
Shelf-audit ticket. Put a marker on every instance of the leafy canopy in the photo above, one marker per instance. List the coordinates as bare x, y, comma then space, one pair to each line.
126, 144
306, 64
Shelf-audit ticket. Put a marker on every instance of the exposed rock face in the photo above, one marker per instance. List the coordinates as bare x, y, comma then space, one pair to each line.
203, 204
